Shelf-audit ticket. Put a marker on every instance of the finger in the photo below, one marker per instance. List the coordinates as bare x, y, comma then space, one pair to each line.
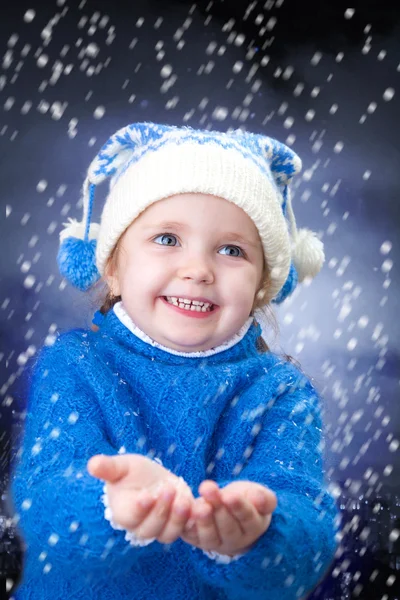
227, 523
250, 490
243, 511
229, 529
206, 528
129, 511
190, 533
264, 500
191, 526
211, 492
107, 468
178, 517
154, 522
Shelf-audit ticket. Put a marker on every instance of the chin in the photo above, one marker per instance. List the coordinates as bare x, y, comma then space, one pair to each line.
180, 347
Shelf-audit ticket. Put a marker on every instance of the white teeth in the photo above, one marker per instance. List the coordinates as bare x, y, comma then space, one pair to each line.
194, 305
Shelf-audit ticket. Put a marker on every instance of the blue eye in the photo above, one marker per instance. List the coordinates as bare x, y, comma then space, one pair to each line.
235, 248
171, 236
163, 236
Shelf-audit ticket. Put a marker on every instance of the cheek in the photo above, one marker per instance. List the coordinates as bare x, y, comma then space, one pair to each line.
146, 277
241, 284
129, 277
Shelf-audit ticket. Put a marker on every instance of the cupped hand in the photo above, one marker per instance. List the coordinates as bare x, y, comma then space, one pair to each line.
230, 520
143, 496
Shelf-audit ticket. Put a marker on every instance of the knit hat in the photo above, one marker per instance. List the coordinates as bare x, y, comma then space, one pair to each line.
147, 162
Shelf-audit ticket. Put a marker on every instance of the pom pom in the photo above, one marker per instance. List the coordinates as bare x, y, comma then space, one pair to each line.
289, 286
75, 229
98, 318
307, 254
77, 262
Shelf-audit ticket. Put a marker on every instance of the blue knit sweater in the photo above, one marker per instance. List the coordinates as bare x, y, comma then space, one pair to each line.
234, 415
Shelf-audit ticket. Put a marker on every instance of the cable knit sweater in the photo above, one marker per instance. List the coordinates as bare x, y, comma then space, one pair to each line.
228, 414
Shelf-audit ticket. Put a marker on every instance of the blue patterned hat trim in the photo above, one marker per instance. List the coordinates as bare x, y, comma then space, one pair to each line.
289, 286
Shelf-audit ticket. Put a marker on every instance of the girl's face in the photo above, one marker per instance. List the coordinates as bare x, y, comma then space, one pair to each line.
189, 246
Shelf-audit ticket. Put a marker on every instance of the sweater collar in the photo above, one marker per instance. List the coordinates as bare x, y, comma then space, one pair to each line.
118, 324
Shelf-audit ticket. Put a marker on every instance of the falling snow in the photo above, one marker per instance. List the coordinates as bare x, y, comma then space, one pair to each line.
342, 325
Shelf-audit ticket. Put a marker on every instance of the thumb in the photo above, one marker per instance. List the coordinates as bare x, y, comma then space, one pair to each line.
108, 468
267, 502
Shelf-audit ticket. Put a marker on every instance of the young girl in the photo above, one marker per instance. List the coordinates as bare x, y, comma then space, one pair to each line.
167, 454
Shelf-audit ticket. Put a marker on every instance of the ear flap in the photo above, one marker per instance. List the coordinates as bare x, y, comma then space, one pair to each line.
289, 286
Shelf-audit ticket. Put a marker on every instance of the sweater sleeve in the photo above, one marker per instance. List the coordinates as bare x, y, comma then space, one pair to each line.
58, 504
294, 554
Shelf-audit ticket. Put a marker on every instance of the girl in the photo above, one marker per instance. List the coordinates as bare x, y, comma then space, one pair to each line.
167, 454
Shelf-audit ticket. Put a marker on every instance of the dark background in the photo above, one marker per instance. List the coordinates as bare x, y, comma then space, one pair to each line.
317, 76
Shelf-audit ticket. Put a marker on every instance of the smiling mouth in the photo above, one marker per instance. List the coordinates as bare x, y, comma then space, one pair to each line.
192, 307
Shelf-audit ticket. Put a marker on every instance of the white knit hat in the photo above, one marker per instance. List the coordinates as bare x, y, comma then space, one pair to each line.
147, 162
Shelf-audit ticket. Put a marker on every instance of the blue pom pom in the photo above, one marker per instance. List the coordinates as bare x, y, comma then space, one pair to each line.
98, 318
289, 285
77, 262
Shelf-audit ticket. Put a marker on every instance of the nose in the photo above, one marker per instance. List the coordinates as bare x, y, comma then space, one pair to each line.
198, 269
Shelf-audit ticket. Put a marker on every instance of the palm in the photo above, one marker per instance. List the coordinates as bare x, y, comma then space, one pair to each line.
128, 471
219, 499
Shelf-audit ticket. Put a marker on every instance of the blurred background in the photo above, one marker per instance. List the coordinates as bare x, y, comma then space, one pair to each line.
321, 77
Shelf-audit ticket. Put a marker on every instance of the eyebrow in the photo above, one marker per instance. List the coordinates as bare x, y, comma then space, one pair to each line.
180, 226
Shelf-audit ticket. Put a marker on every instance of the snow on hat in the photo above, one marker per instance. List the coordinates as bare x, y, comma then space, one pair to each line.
147, 162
